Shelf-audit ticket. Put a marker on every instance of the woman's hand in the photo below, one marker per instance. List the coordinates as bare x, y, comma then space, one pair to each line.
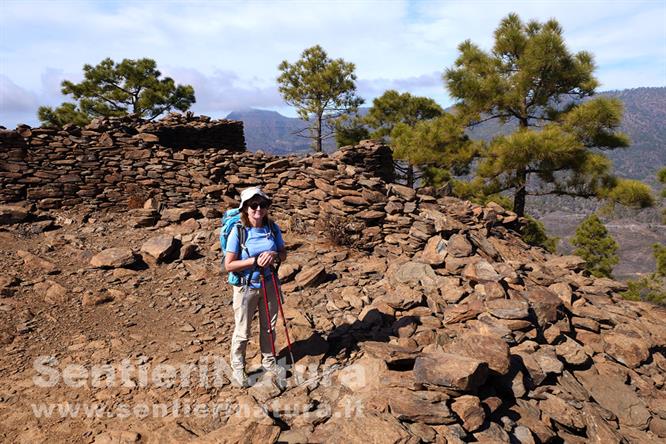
267, 258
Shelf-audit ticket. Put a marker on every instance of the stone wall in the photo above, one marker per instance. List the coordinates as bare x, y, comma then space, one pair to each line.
194, 162
111, 160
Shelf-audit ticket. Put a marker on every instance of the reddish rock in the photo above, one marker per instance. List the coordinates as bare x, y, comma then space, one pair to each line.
435, 251
508, 308
545, 304
611, 393
571, 352
630, 351
452, 371
489, 349
311, 276
481, 271
114, 258
562, 412
470, 411
407, 405
160, 248
459, 246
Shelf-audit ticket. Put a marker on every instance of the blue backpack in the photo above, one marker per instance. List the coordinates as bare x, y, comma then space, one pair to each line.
230, 221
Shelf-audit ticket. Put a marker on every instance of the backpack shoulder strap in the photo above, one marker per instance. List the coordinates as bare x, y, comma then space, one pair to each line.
242, 237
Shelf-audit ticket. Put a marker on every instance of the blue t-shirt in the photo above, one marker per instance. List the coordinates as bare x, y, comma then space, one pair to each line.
257, 241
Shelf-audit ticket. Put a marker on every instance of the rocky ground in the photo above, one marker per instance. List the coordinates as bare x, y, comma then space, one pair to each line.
475, 337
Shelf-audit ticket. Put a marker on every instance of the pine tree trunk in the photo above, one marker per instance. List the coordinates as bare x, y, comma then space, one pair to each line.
521, 194
521, 186
319, 144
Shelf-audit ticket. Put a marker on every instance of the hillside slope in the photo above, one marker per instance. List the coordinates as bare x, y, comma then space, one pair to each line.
443, 327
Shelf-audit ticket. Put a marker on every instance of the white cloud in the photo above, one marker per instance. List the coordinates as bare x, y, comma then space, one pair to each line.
15, 98
229, 50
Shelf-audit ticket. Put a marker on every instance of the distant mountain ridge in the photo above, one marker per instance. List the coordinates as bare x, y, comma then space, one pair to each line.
644, 122
274, 133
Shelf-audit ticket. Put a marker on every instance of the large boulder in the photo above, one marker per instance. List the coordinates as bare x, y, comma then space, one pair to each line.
160, 248
311, 276
611, 393
13, 214
419, 406
367, 427
489, 349
117, 257
630, 351
451, 371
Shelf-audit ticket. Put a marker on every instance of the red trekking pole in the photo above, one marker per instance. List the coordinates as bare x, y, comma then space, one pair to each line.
268, 313
278, 296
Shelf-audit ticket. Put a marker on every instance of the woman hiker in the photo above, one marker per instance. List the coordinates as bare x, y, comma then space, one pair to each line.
263, 248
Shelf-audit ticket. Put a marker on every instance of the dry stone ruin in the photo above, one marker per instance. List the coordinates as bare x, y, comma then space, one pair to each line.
415, 317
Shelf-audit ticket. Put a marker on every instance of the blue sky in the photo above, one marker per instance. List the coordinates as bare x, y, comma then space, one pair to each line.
229, 50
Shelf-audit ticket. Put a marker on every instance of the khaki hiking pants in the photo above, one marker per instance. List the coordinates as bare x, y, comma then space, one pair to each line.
246, 302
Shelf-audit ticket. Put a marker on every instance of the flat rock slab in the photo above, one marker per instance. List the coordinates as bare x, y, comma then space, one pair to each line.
311, 276
119, 257
611, 393
246, 432
37, 263
451, 371
160, 248
390, 353
402, 297
630, 351
407, 405
571, 352
364, 427
179, 214
562, 412
481, 271
489, 349
462, 312
414, 273
10, 214
508, 308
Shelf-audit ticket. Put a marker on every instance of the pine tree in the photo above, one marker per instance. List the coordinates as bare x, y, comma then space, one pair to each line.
534, 233
321, 89
118, 89
393, 108
439, 147
596, 246
531, 79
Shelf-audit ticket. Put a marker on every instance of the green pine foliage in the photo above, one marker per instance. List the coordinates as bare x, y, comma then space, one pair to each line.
439, 146
392, 108
650, 288
118, 89
534, 233
62, 115
596, 246
530, 77
350, 130
322, 90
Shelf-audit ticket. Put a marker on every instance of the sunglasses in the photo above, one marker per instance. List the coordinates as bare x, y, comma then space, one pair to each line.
263, 204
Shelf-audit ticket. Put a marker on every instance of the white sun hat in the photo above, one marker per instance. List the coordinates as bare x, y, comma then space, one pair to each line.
249, 193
